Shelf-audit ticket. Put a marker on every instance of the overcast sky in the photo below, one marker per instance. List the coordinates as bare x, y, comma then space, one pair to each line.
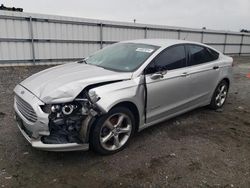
212, 14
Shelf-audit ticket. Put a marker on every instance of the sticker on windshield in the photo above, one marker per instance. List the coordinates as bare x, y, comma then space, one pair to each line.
146, 50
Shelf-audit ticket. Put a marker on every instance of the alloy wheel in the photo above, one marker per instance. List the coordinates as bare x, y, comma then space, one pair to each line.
221, 95
115, 131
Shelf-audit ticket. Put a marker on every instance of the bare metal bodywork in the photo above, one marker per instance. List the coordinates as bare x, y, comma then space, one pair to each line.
153, 100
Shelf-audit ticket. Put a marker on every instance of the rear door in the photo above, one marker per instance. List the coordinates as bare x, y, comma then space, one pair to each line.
203, 69
166, 83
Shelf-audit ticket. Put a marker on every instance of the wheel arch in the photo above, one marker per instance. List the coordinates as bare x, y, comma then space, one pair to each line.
225, 79
125, 104
133, 108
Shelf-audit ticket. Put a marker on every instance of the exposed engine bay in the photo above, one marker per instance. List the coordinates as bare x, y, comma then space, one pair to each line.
66, 120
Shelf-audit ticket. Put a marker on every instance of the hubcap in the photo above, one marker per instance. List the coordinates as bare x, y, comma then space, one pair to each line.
221, 95
115, 131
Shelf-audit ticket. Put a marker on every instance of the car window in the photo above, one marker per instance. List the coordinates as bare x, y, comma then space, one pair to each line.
172, 58
213, 53
200, 54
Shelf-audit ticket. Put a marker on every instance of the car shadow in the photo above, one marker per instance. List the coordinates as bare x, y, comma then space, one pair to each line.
80, 156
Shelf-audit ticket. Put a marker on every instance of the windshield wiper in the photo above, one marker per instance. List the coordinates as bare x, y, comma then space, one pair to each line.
82, 61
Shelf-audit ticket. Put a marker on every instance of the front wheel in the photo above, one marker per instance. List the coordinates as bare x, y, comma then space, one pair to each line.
220, 95
112, 131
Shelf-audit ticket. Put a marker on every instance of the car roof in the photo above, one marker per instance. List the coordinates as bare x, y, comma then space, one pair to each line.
161, 42
164, 43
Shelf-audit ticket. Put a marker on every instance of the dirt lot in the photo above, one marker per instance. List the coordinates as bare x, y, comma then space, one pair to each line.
202, 148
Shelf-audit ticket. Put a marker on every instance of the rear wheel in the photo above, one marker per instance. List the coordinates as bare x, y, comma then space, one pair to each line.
220, 95
112, 131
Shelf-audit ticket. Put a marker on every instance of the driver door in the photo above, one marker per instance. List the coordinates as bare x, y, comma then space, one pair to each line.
167, 82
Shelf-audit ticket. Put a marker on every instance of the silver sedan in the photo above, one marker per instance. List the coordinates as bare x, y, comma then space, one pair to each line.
102, 100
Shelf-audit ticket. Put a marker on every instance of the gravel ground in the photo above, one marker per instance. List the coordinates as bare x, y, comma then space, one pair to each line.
202, 148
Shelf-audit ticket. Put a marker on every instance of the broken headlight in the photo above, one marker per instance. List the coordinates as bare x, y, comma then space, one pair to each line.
84, 104
65, 109
68, 109
55, 108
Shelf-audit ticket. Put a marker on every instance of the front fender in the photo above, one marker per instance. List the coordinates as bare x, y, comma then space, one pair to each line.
132, 90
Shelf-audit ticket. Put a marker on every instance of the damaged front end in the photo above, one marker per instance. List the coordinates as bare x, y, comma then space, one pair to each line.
70, 122
55, 127
55, 108
63, 121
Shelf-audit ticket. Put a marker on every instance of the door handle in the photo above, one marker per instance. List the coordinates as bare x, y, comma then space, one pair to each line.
216, 67
184, 74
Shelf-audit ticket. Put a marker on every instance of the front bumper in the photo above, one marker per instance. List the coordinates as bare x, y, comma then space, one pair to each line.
33, 131
37, 143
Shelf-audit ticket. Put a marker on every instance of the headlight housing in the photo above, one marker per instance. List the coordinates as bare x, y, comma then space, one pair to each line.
55, 108
65, 109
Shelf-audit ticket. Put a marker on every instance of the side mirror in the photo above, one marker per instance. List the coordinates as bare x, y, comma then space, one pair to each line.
156, 76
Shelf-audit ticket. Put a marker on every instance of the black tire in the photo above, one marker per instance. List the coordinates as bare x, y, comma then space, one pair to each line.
98, 126
214, 104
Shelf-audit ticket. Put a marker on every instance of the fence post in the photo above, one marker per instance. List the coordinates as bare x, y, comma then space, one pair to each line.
241, 43
146, 32
225, 43
32, 40
101, 35
202, 36
179, 34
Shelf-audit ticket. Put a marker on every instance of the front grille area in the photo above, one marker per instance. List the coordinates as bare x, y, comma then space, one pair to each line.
26, 110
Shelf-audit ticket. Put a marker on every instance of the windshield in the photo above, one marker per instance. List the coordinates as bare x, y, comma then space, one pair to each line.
123, 57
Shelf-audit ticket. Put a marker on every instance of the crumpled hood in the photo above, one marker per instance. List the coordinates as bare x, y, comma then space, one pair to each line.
63, 83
